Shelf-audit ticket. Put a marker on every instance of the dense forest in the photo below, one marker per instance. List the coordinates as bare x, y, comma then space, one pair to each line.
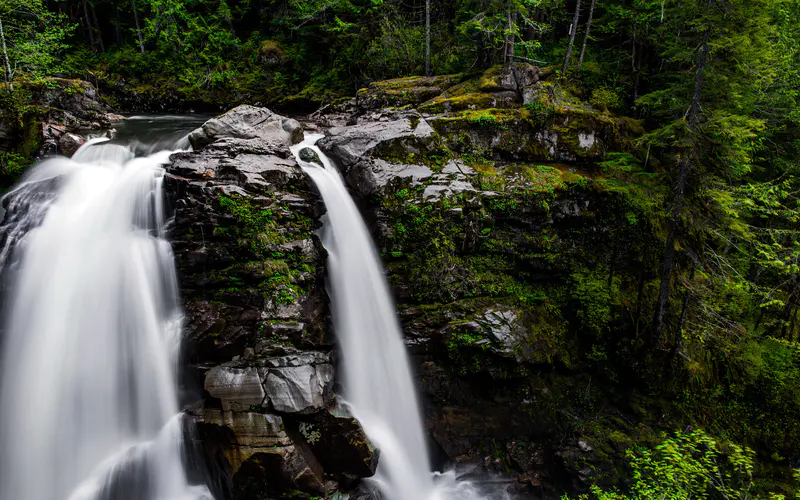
708, 320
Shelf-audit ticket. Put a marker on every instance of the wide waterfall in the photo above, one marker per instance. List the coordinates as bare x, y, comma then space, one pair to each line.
378, 383
91, 334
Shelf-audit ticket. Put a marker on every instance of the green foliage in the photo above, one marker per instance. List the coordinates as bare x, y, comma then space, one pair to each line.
592, 294
35, 38
12, 165
605, 98
688, 465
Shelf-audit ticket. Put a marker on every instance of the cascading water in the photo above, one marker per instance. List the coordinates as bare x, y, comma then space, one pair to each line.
91, 335
378, 382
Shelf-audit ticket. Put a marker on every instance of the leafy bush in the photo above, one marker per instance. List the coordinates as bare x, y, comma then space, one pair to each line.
605, 98
686, 466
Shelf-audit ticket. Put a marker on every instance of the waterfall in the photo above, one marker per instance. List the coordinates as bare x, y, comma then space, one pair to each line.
377, 379
91, 334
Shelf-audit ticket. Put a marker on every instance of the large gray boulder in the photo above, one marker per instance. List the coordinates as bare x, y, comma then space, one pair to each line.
236, 388
378, 135
300, 382
300, 389
248, 122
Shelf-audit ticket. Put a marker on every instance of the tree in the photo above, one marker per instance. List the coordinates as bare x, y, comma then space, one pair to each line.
138, 28
500, 27
427, 37
586, 37
573, 28
7, 66
32, 38
710, 136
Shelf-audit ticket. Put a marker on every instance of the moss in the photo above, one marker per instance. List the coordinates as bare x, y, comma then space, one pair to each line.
411, 82
272, 49
469, 101
414, 151
490, 80
31, 139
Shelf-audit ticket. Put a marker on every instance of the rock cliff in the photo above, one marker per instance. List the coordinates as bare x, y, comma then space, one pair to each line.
502, 230
252, 278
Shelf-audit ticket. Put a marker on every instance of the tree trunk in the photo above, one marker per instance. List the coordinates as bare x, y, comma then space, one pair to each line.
586, 36
427, 37
89, 26
684, 310
512, 38
611, 267
639, 294
97, 25
507, 39
638, 73
684, 168
138, 29
573, 28
117, 24
7, 67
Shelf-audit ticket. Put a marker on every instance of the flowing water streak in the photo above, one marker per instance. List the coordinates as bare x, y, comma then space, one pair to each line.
88, 400
378, 382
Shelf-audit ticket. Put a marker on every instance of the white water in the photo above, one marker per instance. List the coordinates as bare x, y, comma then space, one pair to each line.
88, 404
378, 382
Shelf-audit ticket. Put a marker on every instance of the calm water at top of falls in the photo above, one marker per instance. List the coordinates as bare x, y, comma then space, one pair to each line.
377, 379
91, 333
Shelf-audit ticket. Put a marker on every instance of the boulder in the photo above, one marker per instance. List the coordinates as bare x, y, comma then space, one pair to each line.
404, 91
340, 444
248, 122
511, 77
69, 143
308, 155
237, 388
263, 449
300, 382
403, 133
300, 389
257, 172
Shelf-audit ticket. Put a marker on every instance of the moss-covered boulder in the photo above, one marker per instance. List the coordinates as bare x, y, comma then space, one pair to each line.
399, 92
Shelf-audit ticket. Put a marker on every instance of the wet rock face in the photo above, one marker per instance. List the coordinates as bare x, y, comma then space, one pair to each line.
251, 271
488, 220
300, 382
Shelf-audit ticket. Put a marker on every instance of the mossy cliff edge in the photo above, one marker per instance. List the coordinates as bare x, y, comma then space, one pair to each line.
522, 230
522, 242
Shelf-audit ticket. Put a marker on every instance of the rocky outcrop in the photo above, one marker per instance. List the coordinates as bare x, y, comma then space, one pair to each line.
490, 222
56, 112
252, 274
501, 236
399, 92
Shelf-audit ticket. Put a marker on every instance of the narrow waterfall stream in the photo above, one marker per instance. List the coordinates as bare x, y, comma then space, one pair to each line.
92, 334
378, 382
